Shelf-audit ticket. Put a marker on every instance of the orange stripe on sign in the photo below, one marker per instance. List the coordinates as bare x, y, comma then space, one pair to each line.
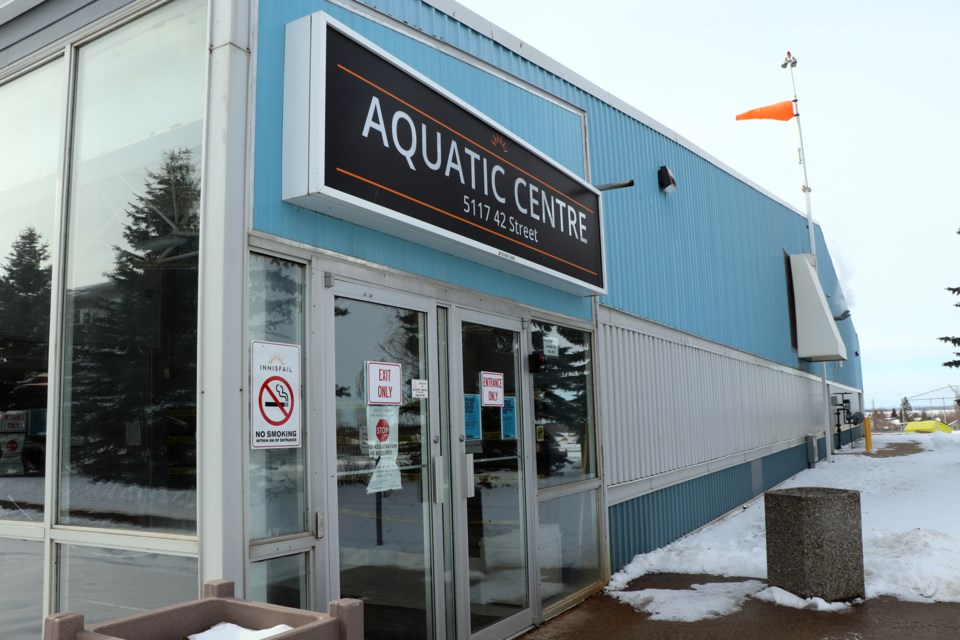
463, 136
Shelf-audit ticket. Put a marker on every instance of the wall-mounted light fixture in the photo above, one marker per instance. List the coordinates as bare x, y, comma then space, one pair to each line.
842, 316
668, 184
614, 185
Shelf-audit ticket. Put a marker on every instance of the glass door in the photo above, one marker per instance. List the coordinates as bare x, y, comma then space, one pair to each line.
383, 510
488, 504
427, 513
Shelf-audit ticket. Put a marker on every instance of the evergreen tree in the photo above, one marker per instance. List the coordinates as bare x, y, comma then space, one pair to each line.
953, 341
25, 288
905, 409
24, 322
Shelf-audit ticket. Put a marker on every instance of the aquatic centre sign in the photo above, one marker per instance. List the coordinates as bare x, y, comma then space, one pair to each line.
371, 141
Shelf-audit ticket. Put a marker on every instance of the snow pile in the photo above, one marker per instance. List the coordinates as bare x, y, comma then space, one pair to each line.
776, 595
701, 602
911, 533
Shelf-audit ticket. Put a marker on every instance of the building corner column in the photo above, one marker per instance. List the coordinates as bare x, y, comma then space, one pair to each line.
221, 353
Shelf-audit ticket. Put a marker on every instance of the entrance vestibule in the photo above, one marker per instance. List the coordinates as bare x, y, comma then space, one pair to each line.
429, 443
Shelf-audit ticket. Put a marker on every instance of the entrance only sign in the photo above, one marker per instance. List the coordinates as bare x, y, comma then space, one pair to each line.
275, 395
491, 389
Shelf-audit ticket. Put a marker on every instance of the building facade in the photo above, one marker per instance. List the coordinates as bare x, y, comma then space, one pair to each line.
361, 298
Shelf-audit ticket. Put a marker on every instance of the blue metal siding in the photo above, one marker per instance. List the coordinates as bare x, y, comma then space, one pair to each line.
707, 259
554, 129
783, 465
656, 519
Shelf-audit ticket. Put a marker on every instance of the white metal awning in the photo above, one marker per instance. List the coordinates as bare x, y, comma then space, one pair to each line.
818, 338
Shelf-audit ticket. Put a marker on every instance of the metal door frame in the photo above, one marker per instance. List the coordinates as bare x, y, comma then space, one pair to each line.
354, 281
335, 287
461, 573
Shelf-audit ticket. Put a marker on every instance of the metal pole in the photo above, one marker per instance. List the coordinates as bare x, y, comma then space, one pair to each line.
789, 63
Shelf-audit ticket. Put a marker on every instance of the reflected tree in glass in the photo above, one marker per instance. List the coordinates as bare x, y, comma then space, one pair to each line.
24, 327
132, 393
562, 399
404, 345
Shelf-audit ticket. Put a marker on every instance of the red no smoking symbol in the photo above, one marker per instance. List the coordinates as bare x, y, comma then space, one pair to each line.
276, 393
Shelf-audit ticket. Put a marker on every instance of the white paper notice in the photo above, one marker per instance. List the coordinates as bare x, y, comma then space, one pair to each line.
419, 388
383, 426
386, 477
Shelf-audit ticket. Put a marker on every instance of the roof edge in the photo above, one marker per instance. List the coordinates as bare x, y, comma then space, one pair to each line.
506, 39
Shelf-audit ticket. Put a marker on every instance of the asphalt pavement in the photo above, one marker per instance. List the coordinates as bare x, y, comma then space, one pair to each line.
876, 619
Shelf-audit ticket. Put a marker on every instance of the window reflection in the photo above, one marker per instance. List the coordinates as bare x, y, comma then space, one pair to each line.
281, 581
563, 405
107, 583
568, 544
31, 110
21, 589
278, 493
496, 527
130, 312
383, 513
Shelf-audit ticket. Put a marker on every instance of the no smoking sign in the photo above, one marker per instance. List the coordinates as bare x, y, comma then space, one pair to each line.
276, 401
275, 385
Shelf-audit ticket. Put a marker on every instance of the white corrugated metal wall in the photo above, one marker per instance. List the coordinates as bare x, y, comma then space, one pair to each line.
678, 406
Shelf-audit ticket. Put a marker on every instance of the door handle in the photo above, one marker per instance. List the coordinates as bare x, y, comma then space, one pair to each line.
438, 480
471, 488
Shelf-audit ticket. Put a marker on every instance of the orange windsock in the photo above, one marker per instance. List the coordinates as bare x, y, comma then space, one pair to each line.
779, 111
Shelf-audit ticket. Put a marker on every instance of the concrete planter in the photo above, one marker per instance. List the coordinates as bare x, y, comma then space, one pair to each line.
343, 622
815, 542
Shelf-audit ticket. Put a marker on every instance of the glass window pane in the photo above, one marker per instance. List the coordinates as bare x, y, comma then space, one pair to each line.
568, 546
280, 581
21, 589
31, 113
496, 526
130, 313
104, 584
278, 492
563, 405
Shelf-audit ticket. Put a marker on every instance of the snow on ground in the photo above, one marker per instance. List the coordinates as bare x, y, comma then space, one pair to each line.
911, 537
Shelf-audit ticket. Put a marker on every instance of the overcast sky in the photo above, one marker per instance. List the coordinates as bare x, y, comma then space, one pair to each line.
879, 96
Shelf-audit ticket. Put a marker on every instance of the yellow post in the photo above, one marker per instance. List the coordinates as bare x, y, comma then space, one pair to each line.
866, 432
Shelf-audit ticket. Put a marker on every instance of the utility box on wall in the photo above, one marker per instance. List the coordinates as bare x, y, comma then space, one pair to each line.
811, 451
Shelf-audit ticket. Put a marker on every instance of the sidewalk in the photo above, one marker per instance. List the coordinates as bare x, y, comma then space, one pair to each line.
604, 618
881, 618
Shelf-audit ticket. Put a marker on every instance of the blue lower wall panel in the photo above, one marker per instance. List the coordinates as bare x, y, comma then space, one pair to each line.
656, 519
783, 465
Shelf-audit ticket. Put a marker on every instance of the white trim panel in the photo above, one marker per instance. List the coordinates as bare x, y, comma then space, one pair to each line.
681, 405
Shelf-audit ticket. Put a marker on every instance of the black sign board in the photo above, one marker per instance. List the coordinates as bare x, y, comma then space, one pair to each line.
394, 141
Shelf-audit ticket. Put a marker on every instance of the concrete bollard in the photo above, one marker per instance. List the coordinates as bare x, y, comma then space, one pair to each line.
815, 542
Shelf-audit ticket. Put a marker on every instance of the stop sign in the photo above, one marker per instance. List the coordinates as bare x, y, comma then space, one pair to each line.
383, 430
